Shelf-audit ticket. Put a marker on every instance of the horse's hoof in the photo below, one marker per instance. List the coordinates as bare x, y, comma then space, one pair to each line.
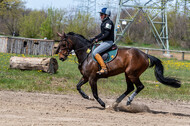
128, 103
92, 99
115, 104
107, 107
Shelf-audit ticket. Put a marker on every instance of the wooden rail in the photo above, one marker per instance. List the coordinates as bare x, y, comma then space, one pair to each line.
163, 50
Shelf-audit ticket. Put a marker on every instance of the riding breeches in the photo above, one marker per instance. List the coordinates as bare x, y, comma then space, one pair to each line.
102, 47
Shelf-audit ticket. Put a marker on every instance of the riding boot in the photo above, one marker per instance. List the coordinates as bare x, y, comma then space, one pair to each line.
102, 64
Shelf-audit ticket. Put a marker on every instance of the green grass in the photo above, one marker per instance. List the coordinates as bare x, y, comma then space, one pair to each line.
68, 75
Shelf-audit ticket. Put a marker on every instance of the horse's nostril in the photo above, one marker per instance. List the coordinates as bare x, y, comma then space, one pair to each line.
61, 59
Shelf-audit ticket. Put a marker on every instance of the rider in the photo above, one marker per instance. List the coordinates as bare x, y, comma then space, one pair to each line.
106, 35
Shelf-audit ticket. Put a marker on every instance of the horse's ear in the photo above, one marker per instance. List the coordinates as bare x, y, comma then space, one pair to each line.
63, 35
59, 34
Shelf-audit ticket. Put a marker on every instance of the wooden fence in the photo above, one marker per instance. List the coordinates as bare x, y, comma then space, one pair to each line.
164, 52
26, 46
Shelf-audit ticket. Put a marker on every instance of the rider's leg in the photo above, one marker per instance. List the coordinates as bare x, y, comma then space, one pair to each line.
102, 64
101, 48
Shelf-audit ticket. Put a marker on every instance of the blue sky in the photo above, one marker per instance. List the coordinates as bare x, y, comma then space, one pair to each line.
39, 4
43, 4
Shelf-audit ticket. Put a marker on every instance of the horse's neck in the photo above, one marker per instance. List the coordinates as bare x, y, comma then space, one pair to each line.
81, 54
80, 48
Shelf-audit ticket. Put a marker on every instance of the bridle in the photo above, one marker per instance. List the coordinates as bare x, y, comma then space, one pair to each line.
68, 50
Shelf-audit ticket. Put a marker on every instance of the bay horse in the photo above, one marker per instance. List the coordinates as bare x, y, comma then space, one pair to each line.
131, 61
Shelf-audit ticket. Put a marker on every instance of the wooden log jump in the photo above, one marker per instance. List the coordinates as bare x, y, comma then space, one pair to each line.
48, 65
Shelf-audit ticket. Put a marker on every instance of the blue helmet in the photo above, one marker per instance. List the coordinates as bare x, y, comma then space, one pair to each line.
105, 11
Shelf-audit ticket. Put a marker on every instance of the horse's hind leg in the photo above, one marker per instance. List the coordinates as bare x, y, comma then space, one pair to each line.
130, 87
139, 87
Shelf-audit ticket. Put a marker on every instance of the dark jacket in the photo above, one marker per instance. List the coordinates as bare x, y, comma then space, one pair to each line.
107, 31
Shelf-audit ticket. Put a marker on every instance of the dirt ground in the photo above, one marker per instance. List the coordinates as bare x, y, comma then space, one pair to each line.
37, 109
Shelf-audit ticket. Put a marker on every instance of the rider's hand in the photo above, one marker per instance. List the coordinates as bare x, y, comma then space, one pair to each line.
93, 40
96, 40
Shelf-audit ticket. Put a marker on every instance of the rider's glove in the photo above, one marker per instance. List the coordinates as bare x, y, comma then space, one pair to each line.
96, 40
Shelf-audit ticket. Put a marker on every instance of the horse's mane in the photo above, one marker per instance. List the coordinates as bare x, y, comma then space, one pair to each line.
78, 35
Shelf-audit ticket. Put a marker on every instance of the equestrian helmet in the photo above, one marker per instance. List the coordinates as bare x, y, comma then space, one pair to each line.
105, 11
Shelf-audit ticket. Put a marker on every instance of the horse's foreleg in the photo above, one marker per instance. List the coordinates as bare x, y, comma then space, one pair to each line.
139, 86
93, 84
82, 82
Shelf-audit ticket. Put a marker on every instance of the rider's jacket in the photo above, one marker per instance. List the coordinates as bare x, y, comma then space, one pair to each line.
107, 30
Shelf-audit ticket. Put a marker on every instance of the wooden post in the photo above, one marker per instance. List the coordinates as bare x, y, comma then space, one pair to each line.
183, 53
146, 51
48, 65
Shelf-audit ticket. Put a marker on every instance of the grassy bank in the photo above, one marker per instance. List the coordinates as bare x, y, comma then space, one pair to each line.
68, 75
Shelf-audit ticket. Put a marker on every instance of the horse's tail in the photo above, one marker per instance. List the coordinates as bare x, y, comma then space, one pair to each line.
159, 70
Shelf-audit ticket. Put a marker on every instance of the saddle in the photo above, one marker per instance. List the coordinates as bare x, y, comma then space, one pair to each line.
109, 54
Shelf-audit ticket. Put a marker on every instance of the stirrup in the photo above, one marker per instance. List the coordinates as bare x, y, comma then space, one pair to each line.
102, 71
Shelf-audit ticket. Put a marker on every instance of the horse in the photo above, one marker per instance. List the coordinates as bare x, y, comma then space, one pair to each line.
131, 61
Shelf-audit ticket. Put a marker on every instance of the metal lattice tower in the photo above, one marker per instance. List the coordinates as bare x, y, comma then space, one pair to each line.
155, 13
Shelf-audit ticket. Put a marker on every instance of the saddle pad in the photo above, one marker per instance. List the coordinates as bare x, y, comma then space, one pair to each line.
111, 54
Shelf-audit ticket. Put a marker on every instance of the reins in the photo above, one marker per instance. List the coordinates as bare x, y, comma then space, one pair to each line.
84, 47
80, 64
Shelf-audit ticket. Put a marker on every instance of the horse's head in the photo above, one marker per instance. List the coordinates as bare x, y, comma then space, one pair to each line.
64, 48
